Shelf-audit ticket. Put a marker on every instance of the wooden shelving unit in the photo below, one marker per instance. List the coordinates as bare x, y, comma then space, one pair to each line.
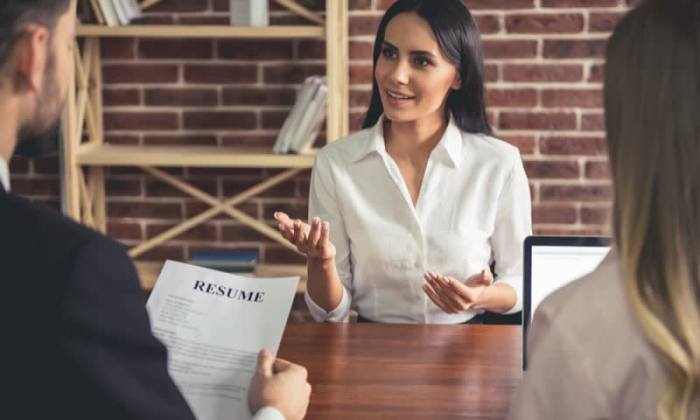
84, 161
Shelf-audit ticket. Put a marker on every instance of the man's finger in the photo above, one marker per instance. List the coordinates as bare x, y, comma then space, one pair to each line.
265, 363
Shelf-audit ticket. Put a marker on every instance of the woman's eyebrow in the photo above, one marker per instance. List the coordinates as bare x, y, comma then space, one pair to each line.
412, 52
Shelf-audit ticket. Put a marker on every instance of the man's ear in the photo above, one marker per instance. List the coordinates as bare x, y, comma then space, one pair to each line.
32, 53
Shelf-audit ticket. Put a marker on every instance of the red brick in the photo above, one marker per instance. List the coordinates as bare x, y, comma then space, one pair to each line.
291, 73
581, 146
20, 165
280, 255
511, 98
314, 5
542, 73
286, 189
205, 232
499, 4
121, 139
164, 252
604, 22
241, 234
157, 188
592, 122
221, 5
488, 24
537, 121
228, 173
46, 165
510, 49
359, 4
295, 210
124, 231
273, 120
256, 51
595, 215
597, 73
526, 144
491, 72
219, 120
139, 73
204, 20
360, 98
313, 49
575, 192
175, 139
580, 98
361, 74
117, 48
121, 97
364, 25
176, 49
553, 214
259, 140
221, 74
143, 209
179, 6
258, 96
552, 169
123, 188
574, 48
559, 23
44, 186
157, 20
597, 170
141, 121
356, 119
579, 3
181, 97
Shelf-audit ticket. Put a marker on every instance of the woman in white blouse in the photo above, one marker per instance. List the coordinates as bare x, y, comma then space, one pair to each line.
624, 341
407, 215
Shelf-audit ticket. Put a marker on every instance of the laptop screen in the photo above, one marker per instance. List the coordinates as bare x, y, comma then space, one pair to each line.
552, 262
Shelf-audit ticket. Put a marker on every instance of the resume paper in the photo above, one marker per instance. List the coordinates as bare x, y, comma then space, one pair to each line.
213, 325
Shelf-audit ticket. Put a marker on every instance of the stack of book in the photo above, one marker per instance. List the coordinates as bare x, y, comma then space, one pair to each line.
301, 127
238, 261
115, 12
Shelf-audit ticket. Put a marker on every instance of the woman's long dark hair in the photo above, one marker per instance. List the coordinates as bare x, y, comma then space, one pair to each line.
458, 37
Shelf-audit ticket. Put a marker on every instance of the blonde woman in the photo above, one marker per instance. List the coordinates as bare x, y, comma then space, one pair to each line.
624, 342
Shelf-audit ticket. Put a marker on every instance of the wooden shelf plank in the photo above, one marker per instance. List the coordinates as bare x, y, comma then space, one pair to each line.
201, 31
149, 271
188, 156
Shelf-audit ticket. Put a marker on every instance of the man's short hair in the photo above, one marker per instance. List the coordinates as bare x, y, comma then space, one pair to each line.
15, 15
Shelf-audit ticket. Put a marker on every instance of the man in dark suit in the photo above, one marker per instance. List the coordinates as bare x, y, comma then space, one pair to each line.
76, 337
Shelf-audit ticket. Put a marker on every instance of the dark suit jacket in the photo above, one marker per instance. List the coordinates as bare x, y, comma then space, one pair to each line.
76, 340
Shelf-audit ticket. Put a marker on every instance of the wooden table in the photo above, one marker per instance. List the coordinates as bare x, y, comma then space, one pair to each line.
366, 371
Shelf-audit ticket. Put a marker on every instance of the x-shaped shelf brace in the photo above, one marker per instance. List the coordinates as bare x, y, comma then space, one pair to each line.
217, 206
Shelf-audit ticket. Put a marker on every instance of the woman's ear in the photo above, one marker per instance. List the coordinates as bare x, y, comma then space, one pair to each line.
457, 83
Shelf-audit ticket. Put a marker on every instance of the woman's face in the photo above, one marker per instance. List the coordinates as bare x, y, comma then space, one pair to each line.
412, 74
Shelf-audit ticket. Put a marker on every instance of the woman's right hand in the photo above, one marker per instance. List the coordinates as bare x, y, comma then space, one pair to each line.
312, 241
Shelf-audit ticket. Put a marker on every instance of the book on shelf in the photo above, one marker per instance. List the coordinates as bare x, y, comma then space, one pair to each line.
249, 13
115, 12
302, 125
240, 261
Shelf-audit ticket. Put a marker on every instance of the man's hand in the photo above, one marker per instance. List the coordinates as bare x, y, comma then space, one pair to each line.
279, 384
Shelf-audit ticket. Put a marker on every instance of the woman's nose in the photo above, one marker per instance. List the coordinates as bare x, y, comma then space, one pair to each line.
400, 72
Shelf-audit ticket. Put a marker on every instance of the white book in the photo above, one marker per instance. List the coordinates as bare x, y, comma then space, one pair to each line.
134, 11
121, 12
308, 127
109, 13
304, 97
213, 325
249, 13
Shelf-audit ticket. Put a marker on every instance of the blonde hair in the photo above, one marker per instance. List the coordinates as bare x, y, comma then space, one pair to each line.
652, 101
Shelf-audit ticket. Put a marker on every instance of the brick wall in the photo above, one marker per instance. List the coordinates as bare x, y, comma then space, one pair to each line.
544, 76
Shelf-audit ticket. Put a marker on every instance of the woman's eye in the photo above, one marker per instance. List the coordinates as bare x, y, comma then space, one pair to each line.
388, 53
421, 61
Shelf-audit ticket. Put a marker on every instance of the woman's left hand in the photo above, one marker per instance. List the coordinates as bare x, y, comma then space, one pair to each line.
453, 296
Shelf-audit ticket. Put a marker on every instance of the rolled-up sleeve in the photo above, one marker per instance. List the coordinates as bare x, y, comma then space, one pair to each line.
323, 204
513, 225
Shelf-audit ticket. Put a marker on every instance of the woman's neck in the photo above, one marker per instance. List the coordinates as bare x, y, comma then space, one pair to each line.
414, 139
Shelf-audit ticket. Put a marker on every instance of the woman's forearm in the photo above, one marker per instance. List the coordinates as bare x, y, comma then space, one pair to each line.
498, 297
323, 285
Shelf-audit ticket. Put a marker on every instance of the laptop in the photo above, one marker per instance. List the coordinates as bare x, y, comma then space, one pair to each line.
552, 262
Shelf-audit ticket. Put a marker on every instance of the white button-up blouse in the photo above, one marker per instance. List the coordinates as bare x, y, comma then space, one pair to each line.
473, 208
